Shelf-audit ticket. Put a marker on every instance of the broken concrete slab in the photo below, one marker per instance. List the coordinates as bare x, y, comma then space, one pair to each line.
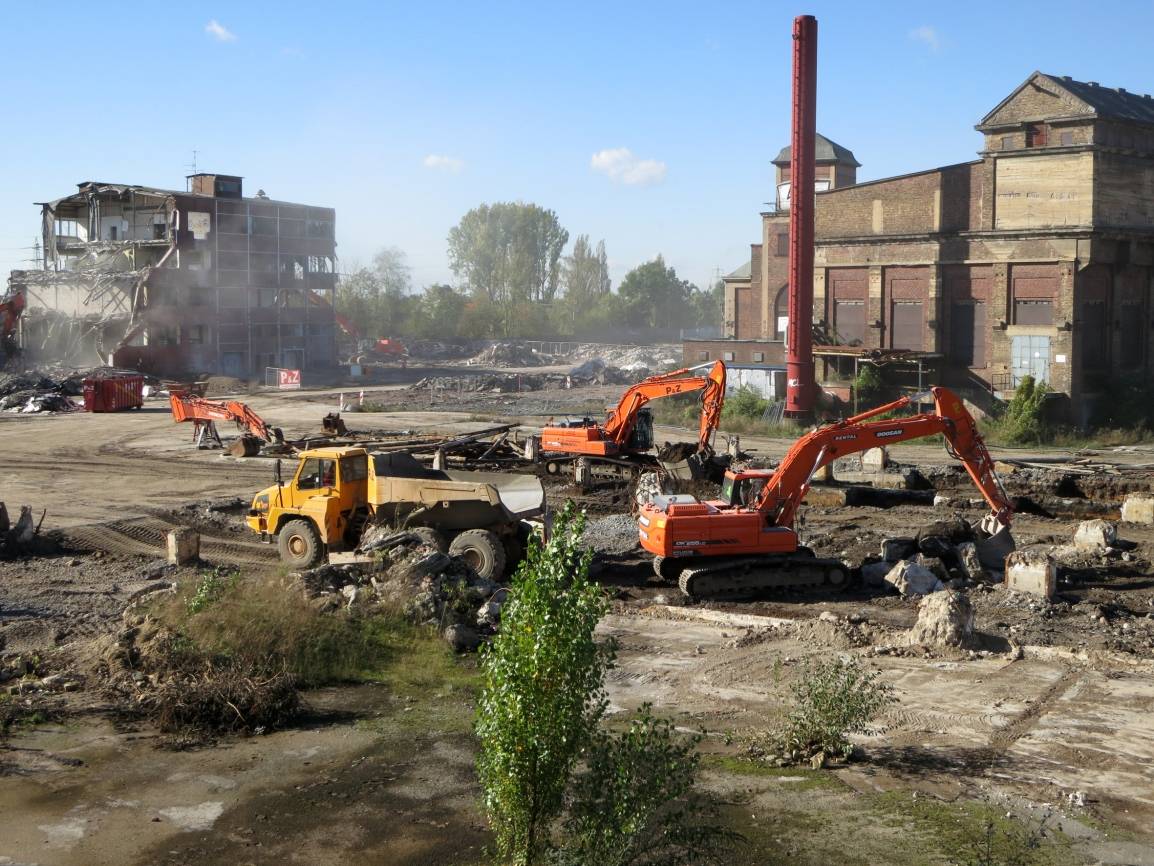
874, 459
911, 578
970, 561
1138, 508
1095, 535
897, 549
880, 479
1033, 572
874, 573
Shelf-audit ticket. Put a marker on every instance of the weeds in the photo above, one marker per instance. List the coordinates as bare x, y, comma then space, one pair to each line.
212, 586
833, 699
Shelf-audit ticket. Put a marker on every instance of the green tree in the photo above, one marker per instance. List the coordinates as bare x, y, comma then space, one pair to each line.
542, 693
439, 313
377, 299
655, 297
508, 253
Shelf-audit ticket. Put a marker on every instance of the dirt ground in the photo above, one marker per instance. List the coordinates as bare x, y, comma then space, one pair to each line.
1051, 713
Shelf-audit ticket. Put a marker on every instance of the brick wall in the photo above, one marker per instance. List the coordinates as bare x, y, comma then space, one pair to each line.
742, 352
904, 205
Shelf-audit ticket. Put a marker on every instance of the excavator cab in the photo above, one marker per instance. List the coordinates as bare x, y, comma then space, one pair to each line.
741, 489
641, 439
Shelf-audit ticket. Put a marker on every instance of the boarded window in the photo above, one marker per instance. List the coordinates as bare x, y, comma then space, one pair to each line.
968, 334
1033, 312
907, 325
1007, 142
1132, 323
758, 357
783, 244
727, 356
1066, 138
1036, 135
1094, 336
849, 322
702, 356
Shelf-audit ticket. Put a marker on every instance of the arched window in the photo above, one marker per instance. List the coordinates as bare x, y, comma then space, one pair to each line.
780, 313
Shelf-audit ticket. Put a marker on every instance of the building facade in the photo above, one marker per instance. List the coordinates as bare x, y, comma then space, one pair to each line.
201, 281
1035, 259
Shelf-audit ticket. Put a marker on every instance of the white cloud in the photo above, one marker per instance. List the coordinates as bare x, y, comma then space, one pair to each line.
926, 34
219, 32
619, 164
448, 164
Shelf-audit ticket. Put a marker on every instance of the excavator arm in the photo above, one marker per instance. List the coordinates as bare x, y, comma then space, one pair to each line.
785, 489
188, 407
623, 418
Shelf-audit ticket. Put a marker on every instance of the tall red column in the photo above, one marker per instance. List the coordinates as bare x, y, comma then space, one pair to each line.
801, 388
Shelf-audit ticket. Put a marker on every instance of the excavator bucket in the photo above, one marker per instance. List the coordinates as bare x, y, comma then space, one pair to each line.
682, 462
994, 544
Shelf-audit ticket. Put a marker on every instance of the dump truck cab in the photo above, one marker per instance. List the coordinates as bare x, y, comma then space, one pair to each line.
328, 491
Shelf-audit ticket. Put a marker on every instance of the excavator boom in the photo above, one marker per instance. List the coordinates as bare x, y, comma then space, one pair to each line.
623, 417
188, 407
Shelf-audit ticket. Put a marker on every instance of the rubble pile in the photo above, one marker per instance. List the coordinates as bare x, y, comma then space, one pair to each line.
39, 392
664, 356
510, 355
945, 619
427, 586
596, 372
510, 383
437, 350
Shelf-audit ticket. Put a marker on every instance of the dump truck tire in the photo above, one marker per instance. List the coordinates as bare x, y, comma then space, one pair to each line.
430, 537
483, 551
298, 544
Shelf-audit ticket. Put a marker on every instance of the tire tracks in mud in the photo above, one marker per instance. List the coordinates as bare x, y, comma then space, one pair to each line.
147, 536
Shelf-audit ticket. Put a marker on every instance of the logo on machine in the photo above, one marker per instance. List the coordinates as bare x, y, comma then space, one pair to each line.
886, 434
845, 437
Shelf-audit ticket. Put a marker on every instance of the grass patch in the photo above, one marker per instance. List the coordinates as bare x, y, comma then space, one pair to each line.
977, 832
809, 780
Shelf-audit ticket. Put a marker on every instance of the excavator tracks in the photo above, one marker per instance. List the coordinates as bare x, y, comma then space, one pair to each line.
749, 576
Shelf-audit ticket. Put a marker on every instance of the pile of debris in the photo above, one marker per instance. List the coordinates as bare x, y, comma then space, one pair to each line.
436, 350
510, 383
664, 356
39, 392
19, 538
510, 355
596, 372
429, 587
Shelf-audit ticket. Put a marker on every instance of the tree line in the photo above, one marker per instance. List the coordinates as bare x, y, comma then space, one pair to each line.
515, 279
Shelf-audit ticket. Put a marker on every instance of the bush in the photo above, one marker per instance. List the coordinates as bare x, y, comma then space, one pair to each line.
225, 699
869, 386
1023, 420
542, 694
634, 802
745, 402
833, 699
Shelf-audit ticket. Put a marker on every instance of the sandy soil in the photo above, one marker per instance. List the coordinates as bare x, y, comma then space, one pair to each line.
1070, 715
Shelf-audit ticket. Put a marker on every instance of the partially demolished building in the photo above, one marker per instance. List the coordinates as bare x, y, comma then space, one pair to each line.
201, 281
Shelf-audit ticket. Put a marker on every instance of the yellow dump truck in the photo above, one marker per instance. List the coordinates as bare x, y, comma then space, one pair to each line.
335, 492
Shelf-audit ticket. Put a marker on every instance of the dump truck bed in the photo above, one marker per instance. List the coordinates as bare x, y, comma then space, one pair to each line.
399, 486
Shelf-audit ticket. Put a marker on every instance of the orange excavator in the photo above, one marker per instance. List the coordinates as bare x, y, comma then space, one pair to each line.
205, 413
745, 542
626, 437
10, 309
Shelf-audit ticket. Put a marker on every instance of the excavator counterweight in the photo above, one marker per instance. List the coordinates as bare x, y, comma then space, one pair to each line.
745, 541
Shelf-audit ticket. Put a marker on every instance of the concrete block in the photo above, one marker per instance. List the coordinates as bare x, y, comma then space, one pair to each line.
874, 573
824, 474
971, 563
1032, 572
897, 549
826, 497
911, 578
1138, 508
874, 459
183, 546
1095, 535
881, 480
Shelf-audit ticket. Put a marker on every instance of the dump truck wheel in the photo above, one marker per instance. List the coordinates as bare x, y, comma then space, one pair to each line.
430, 537
299, 544
483, 551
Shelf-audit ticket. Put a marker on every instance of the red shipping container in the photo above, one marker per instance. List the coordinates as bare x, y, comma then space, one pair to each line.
113, 394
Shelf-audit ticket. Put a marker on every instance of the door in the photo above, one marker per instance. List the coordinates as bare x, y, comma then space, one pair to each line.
968, 334
1030, 356
907, 325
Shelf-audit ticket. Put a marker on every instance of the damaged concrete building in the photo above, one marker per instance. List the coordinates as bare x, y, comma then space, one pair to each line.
201, 281
1035, 259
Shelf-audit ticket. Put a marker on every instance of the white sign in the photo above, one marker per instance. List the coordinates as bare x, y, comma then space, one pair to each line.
199, 224
288, 378
1059, 359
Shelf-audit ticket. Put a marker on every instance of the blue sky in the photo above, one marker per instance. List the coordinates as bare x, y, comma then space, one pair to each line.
403, 116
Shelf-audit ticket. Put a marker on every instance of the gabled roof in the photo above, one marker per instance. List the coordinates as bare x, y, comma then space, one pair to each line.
1084, 99
742, 273
824, 151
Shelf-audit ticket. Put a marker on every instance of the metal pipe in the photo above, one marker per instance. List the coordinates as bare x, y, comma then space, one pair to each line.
801, 387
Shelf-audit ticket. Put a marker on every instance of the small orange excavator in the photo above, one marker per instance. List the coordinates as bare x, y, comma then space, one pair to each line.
205, 413
745, 542
626, 437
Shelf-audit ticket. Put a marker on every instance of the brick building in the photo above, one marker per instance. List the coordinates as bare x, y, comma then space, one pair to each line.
201, 281
1037, 258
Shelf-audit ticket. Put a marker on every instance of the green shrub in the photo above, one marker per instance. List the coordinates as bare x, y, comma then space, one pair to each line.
1023, 420
634, 802
832, 700
745, 402
542, 690
869, 386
